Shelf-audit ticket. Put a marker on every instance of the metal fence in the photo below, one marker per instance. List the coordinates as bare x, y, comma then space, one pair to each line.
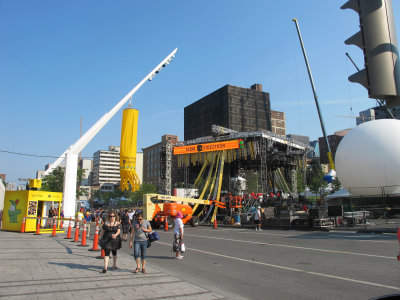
380, 209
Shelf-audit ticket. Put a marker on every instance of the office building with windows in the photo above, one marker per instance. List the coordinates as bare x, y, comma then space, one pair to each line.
236, 108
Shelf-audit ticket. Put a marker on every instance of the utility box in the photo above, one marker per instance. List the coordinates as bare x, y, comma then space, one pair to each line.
18, 204
35, 183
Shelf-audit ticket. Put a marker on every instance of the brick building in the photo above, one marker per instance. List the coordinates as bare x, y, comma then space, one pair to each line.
237, 108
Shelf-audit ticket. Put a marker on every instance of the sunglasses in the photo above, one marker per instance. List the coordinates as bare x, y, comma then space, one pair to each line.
140, 219
112, 216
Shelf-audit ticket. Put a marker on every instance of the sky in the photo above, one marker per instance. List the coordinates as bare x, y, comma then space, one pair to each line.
61, 61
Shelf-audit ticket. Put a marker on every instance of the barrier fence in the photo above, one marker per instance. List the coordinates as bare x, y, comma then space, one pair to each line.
57, 226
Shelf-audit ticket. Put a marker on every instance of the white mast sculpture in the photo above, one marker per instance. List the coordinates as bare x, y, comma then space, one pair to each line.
72, 153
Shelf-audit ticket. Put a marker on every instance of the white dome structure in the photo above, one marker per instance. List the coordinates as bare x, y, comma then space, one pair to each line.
367, 160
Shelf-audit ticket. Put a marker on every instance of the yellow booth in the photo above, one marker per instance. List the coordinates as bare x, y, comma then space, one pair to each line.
29, 203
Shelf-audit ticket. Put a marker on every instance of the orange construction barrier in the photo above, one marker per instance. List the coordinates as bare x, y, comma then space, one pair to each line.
96, 239
54, 227
69, 229
166, 225
83, 243
37, 227
215, 223
23, 224
76, 237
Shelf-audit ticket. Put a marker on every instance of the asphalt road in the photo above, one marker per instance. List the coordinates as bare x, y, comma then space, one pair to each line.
278, 264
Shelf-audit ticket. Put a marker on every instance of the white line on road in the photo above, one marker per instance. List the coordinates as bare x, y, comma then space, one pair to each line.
289, 246
293, 269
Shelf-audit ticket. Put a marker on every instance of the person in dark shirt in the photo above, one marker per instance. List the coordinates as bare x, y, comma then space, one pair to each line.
125, 225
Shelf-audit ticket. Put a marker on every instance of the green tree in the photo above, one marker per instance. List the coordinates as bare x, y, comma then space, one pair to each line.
300, 181
336, 185
315, 179
145, 188
54, 182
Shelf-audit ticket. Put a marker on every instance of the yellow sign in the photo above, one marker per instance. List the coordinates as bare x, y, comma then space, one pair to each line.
234, 144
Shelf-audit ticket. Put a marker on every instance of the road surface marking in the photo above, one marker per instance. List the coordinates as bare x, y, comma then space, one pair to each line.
292, 269
295, 247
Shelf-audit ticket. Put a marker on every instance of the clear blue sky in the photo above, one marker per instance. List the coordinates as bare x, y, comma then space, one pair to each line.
61, 60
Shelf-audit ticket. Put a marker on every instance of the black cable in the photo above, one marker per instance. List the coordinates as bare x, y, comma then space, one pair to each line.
33, 155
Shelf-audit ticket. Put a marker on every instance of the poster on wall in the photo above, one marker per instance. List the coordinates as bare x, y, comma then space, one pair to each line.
32, 208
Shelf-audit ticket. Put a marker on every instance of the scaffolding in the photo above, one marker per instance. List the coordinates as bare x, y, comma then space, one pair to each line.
271, 157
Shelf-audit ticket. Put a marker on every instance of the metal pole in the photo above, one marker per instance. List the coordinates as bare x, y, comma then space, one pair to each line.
315, 95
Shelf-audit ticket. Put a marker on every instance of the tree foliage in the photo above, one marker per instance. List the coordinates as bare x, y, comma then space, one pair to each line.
315, 179
54, 182
336, 185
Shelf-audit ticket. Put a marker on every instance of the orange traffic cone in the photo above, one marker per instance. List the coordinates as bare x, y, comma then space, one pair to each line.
96, 239
83, 243
166, 225
103, 253
37, 227
76, 237
69, 229
215, 223
23, 224
54, 227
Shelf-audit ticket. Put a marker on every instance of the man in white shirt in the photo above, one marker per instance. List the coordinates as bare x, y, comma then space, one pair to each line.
178, 234
257, 219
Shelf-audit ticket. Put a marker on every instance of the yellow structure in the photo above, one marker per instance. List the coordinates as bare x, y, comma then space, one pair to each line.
18, 204
129, 178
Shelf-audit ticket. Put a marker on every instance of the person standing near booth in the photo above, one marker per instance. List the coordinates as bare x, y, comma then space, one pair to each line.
51, 214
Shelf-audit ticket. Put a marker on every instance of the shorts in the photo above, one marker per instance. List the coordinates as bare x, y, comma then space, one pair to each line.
256, 222
125, 228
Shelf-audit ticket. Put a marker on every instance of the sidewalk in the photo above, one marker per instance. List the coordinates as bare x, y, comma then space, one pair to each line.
44, 267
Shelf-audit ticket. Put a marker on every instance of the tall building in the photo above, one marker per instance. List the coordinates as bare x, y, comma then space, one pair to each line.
278, 122
333, 141
152, 162
377, 113
139, 166
86, 164
233, 107
106, 167
315, 152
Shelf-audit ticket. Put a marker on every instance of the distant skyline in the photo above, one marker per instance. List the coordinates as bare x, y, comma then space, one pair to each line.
61, 61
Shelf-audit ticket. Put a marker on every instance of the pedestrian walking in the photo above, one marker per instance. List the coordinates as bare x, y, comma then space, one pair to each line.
125, 225
178, 235
110, 240
139, 230
88, 219
257, 219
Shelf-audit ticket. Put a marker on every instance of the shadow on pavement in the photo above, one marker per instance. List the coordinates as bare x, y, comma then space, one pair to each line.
78, 266
160, 257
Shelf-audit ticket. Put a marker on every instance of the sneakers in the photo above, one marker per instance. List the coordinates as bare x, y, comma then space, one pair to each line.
179, 257
260, 229
256, 229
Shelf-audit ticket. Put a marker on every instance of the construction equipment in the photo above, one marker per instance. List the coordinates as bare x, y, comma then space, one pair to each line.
332, 174
160, 208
